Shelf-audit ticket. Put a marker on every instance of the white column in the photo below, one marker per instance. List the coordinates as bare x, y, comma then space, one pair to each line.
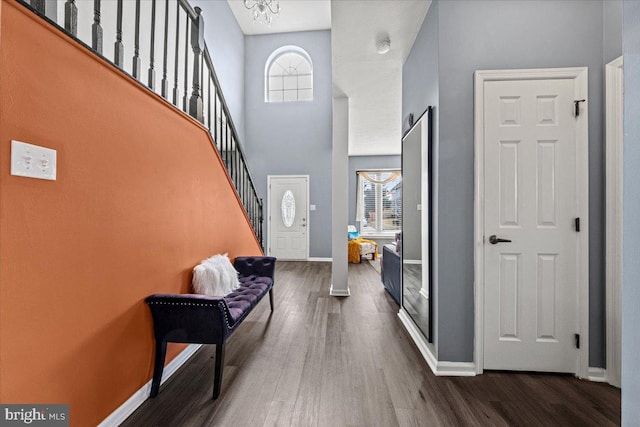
340, 197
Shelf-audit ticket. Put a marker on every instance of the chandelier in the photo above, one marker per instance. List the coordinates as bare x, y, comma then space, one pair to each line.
263, 10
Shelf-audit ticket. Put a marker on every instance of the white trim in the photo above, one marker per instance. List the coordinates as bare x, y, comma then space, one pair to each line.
419, 340
139, 397
319, 259
439, 368
412, 261
456, 369
269, 178
614, 150
378, 170
424, 292
580, 76
339, 292
598, 375
380, 236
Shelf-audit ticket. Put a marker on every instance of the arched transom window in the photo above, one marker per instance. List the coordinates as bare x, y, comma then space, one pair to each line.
289, 75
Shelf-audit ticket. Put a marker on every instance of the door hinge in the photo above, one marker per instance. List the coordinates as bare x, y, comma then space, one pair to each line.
577, 340
577, 224
576, 103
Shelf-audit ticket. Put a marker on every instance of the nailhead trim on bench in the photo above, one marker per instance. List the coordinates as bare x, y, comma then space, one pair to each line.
180, 303
226, 319
220, 305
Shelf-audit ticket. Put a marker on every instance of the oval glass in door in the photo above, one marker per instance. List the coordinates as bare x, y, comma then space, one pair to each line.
288, 209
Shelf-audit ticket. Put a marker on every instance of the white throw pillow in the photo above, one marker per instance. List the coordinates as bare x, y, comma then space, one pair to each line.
215, 276
228, 274
234, 281
206, 280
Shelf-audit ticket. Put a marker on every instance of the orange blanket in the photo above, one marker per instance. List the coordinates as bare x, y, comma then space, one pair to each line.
354, 249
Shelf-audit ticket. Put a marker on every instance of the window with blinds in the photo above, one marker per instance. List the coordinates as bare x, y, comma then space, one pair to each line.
379, 201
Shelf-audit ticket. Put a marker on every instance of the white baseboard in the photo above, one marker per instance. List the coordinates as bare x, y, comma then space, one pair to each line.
456, 369
418, 339
412, 261
597, 374
316, 259
139, 397
339, 292
439, 368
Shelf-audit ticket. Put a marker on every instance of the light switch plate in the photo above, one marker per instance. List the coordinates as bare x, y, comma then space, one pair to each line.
32, 161
312, 207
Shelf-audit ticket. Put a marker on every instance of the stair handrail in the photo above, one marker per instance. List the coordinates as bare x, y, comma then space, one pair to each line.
237, 167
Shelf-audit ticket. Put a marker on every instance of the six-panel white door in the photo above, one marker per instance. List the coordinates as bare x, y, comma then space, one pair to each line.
530, 303
288, 225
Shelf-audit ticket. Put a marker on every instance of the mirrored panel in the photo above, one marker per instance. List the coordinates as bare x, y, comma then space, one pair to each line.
416, 223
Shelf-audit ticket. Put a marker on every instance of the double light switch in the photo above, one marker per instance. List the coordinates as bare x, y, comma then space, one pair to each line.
32, 161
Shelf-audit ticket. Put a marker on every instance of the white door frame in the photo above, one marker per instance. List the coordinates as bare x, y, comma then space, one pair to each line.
579, 75
269, 178
614, 144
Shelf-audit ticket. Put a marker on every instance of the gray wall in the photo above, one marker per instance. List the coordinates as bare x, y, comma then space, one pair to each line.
420, 89
631, 219
225, 41
420, 76
501, 35
293, 137
612, 29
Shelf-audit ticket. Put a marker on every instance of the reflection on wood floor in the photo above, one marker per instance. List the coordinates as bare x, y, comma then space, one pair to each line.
412, 300
325, 361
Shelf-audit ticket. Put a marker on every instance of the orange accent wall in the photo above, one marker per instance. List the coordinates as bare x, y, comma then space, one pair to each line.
141, 197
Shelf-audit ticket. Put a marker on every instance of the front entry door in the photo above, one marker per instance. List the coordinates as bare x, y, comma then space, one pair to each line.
288, 223
530, 202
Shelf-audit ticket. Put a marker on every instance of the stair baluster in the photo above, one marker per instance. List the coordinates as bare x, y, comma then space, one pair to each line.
137, 64
165, 83
205, 86
96, 28
119, 47
71, 17
152, 71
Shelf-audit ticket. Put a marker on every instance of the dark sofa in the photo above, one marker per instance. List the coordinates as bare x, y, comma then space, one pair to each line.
390, 270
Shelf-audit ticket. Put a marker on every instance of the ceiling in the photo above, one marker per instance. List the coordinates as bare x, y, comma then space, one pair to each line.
372, 82
295, 15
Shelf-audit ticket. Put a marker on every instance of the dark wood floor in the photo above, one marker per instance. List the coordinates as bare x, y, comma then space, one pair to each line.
325, 361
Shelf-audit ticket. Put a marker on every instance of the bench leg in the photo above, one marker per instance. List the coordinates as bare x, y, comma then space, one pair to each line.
217, 381
161, 351
271, 298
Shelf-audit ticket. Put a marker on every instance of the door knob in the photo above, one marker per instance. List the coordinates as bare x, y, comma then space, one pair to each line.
494, 240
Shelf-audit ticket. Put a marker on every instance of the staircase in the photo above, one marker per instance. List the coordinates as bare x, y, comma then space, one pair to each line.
169, 33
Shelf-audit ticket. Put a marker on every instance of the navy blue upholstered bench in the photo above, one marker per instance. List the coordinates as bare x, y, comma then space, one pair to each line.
201, 319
